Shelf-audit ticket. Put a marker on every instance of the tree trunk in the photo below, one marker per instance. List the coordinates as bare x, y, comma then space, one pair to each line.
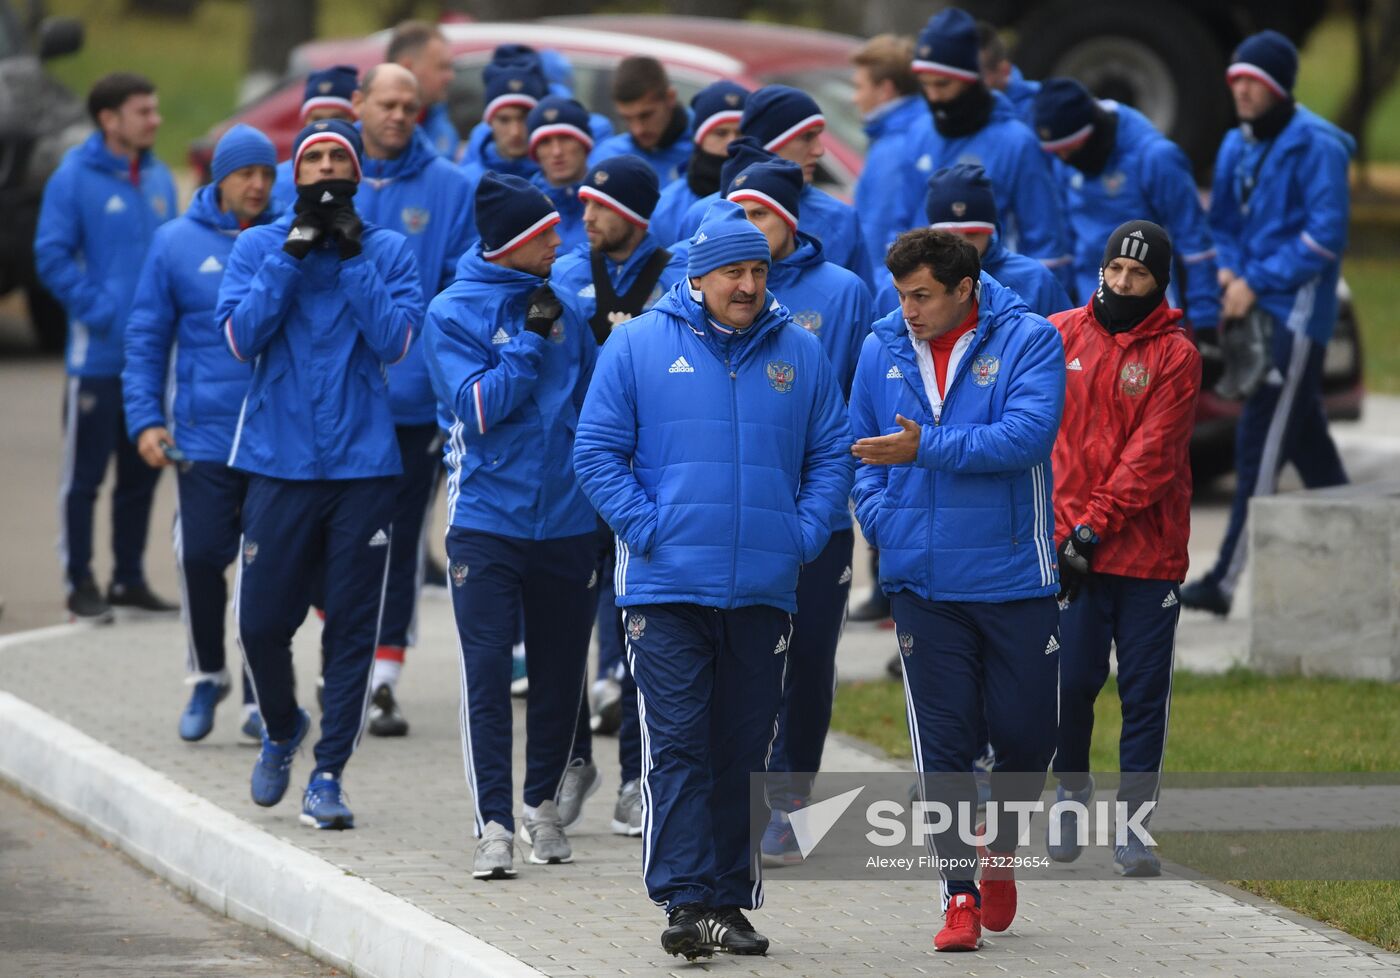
1378, 64
278, 27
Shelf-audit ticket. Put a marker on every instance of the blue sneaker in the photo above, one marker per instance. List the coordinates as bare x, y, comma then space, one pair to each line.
1069, 848
779, 845
198, 718
273, 769
323, 806
1136, 860
252, 725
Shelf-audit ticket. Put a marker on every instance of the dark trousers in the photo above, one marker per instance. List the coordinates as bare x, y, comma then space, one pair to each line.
208, 523
94, 429
612, 662
964, 659
1282, 422
810, 687
420, 448
709, 685
291, 531
1139, 618
494, 580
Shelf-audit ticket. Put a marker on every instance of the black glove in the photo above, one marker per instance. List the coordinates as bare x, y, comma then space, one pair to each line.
1207, 339
1076, 554
346, 228
307, 231
542, 310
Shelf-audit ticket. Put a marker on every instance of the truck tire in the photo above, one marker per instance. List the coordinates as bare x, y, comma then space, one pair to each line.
1158, 57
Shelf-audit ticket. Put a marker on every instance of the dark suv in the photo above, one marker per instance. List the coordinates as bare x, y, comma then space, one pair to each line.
40, 120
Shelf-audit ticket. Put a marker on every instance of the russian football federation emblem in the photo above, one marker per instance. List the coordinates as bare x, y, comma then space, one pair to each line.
985, 369
636, 627
781, 375
458, 572
1135, 378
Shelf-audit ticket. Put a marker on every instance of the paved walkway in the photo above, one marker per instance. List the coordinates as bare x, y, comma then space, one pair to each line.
121, 685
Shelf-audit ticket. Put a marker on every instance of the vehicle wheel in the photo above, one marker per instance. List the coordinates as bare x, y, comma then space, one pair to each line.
1165, 63
47, 317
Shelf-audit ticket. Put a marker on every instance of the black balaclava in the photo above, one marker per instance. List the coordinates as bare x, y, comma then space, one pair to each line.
702, 172
965, 114
1272, 121
1144, 242
325, 195
1091, 157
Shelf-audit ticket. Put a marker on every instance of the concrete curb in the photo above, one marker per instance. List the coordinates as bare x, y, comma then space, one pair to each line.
230, 865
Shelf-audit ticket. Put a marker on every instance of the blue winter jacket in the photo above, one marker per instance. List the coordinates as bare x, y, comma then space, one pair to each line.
284, 186
431, 203
1033, 282
481, 155
825, 218
93, 233
199, 399
879, 204
667, 161
441, 134
570, 208
971, 518
721, 463
1147, 177
827, 301
512, 401
572, 276
1028, 202
1287, 238
668, 219
319, 332
1021, 92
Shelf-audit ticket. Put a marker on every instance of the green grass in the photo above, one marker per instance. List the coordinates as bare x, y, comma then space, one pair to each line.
1375, 288
1240, 721
1326, 72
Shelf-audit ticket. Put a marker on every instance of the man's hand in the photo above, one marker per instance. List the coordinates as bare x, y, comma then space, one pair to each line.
306, 232
1237, 300
149, 443
1076, 555
896, 449
347, 227
1223, 276
542, 310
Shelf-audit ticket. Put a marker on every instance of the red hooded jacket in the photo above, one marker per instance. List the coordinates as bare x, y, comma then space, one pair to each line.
1122, 458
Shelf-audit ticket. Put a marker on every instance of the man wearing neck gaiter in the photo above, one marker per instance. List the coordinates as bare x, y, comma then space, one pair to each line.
1279, 214
1122, 518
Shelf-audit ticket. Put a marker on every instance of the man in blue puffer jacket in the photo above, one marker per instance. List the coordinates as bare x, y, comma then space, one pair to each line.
173, 309
956, 403
321, 303
100, 211
510, 365
410, 189
1279, 212
714, 442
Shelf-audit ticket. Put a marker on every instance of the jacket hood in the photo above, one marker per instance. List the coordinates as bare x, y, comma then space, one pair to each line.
808, 255
678, 304
94, 153
1003, 110
471, 267
416, 156
204, 209
1305, 122
895, 117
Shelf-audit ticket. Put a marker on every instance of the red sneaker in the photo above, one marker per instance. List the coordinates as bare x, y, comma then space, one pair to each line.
962, 925
998, 888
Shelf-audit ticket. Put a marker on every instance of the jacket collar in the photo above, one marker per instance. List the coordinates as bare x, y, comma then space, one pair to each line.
474, 268
413, 160
205, 209
95, 154
894, 116
1163, 319
807, 256
679, 305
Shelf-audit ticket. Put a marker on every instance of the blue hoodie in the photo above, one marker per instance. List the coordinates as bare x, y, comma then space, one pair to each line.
1021, 93
441, 134
827, 301
93, 233
882, 211
1028, 202
430, 202
572, 275
671, 208
320, 332
1033, 282
668, 161
512, 402
722, 463
481, 155
1146, 177
174, 308
570, 208
1287, 241
970, 519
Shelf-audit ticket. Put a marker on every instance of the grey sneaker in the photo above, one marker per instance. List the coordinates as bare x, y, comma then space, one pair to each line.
495, 854
627, 813
579, 784
545, 834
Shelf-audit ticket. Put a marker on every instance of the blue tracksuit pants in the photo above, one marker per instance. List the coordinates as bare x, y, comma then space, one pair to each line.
610, 638
292, 530
420, 447
1282, 422
1139, 618
709, 685
208, 521
493, 580
964, 660
94, 429
810, 686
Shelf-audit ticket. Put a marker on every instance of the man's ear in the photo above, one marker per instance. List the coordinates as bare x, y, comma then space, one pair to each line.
357, 100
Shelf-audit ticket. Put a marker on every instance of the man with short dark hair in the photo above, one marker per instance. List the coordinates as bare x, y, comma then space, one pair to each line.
100, 210
715, 113
658, 127
559, 143
956, 403
422, 49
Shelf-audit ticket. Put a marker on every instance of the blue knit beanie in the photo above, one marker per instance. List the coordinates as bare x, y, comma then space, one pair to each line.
625, 184
1064, 114
555, 116
724, 237
336, 131
330, 88
776, 114
776, 184
744, 152
960, 199
715, 105
513, 83
948, 46
239, 147
509, 212
1268, 56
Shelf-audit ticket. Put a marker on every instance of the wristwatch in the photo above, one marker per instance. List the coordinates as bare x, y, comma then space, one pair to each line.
1083, 535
